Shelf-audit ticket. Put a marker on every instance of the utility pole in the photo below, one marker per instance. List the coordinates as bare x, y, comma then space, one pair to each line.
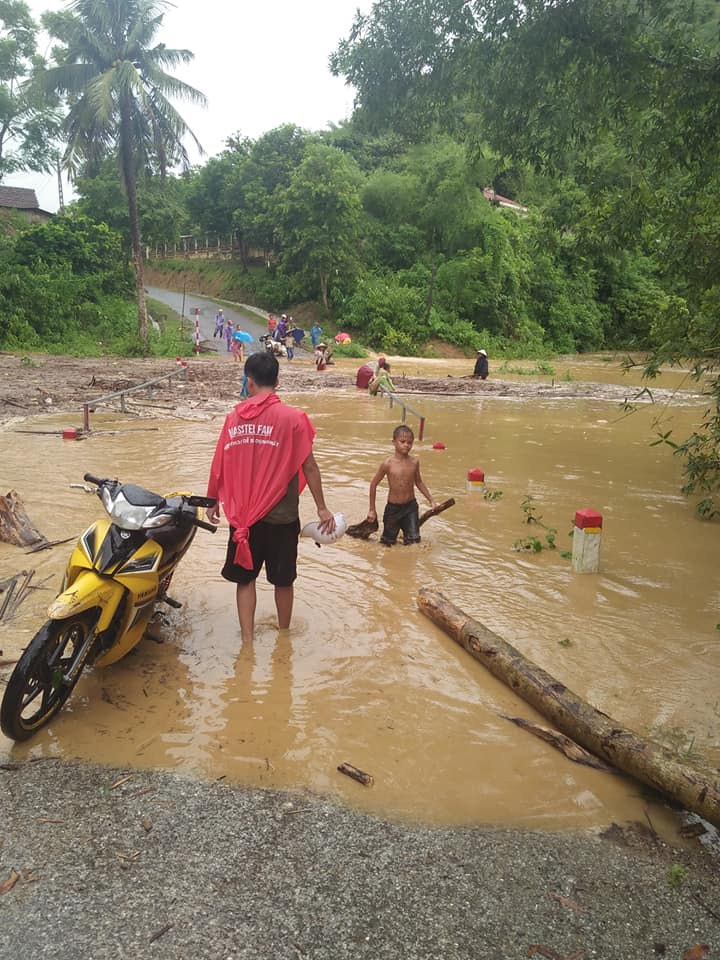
61, 202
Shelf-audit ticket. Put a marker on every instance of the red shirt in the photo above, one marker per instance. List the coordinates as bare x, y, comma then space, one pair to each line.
261, 447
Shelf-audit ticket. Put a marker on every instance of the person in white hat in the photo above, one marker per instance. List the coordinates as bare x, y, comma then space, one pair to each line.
481, 365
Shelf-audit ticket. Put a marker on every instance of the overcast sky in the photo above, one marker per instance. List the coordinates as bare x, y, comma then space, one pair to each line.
259, 64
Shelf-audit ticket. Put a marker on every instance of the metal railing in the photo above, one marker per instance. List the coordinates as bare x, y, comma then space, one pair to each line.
91, 405
394, 398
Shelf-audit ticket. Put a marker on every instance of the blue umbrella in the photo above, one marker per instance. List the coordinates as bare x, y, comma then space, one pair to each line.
243, 336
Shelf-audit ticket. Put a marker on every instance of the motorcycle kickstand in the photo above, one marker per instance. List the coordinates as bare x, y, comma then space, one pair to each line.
175, 604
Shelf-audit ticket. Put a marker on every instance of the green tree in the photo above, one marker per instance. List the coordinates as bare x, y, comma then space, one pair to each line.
161, 205
117, 90
28, 122
402, 59
320, 217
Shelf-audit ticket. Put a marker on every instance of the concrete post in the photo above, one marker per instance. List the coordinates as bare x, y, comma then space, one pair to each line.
475, 481
587, 535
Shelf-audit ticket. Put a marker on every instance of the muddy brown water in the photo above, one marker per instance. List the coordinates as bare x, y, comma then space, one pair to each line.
362, 676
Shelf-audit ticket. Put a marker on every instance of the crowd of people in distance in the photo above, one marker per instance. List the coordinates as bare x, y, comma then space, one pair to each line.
283, 337
225, 331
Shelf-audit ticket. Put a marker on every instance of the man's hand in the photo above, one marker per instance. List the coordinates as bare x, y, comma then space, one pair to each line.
327, 521
213, 514
372, 515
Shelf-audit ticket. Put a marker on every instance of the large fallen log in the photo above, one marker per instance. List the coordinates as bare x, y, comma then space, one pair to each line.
686, 783
15, 525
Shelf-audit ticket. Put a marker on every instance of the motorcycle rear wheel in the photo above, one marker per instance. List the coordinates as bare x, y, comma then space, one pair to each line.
36, 689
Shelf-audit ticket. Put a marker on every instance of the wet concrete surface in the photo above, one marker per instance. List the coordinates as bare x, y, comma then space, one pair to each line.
112, 863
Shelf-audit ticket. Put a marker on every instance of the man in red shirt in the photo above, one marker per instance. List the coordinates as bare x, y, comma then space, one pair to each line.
263, 459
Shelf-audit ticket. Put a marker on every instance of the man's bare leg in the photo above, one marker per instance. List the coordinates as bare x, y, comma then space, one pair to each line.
284, 603
246, 602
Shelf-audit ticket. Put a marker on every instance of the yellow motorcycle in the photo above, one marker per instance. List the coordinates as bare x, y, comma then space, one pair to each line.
119, 569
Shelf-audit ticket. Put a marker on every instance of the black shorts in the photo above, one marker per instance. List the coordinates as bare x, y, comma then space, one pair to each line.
275, 545
401, 516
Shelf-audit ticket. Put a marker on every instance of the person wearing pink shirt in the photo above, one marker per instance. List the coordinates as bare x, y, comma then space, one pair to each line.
262, 462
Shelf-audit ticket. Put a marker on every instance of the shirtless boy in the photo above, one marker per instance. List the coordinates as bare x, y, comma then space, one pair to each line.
403, 475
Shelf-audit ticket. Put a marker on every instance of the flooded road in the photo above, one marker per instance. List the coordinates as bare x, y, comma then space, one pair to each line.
362, 676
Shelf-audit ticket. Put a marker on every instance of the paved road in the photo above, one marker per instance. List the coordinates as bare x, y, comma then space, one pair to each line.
208, 308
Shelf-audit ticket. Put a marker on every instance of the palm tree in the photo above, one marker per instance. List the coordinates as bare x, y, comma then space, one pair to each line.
117, 90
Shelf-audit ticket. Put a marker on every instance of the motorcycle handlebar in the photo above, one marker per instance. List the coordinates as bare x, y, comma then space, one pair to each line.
91, 479
206, 526
201, 501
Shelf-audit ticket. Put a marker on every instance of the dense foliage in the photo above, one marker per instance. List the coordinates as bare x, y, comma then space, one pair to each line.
63, 288
600, 118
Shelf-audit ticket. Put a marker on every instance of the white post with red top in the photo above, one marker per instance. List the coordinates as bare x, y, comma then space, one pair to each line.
587, 536
196, 332
475, 481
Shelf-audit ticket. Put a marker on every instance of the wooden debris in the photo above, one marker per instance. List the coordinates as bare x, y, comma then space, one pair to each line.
46, 544
698, 952
121, 781
350, 771
13, 591
445, 505
8, 884
362, 530
566, 903
688, 784
15, 525
161, 932
573, 751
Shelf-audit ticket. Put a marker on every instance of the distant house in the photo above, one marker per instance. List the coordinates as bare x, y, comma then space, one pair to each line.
22, 200
493, 197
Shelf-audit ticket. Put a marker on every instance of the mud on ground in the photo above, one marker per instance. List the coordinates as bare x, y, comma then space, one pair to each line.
35, 384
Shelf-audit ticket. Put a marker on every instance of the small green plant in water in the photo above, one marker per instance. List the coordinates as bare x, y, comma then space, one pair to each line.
28, 362
530, 510
535, 544
565, 642
676, 876
528, 545
496, 494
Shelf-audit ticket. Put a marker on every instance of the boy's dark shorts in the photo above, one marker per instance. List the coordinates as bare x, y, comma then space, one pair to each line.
401, 516
275, 545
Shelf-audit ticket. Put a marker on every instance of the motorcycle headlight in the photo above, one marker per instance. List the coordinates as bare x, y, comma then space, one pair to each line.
161, 520
126, 515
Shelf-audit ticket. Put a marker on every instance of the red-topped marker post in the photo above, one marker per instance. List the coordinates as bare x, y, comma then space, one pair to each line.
587, 536
475, 481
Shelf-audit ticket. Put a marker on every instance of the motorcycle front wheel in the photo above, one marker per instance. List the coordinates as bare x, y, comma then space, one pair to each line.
37, 687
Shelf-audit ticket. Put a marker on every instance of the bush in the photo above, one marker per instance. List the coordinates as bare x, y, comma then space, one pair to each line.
349, 350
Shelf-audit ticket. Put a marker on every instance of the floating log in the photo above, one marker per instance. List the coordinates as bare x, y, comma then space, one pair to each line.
366, 779
15, 525
686, 783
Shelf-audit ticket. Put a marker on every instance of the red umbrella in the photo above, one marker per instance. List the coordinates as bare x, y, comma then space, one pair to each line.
343, 338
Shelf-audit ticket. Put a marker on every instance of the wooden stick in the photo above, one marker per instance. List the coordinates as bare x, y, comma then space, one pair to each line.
350, 771
436, 510
686, 783
47, 544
